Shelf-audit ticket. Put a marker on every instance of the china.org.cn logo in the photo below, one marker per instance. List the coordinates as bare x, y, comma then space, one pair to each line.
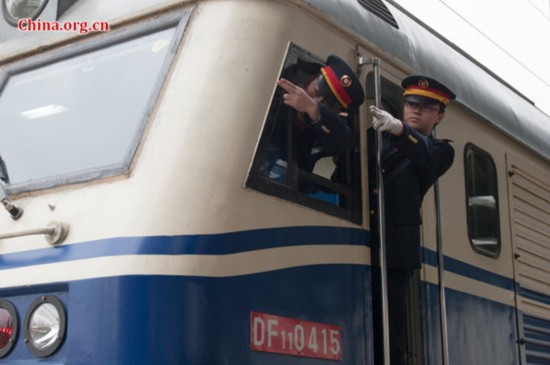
82, 27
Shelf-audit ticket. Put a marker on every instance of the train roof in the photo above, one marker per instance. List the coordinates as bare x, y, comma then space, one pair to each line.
400, 35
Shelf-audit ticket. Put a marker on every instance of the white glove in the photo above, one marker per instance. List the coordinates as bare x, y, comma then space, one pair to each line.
384, 121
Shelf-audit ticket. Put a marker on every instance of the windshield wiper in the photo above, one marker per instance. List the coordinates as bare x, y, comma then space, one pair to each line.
4, 171
14, 211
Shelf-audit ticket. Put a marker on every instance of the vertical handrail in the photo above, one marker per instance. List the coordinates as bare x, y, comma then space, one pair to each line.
441, 274
375, 62
381, 219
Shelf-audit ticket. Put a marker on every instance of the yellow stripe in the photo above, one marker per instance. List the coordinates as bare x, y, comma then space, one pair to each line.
428, 94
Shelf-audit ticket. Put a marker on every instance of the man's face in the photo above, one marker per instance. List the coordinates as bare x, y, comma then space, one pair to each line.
422, 117
312, 89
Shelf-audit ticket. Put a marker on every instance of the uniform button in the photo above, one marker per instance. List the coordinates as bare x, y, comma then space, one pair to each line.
375, 191
372, 212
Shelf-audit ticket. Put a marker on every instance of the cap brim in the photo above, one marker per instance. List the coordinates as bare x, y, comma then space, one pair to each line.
421, 99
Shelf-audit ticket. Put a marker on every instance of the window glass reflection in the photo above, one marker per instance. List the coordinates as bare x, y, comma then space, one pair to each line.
79, 114
482, 201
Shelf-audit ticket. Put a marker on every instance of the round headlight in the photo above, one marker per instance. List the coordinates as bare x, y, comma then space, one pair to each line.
15, 10
45, 325
8, 327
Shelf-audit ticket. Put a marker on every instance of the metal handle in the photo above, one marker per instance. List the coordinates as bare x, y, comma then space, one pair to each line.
55, 233
375, 62
381, 220
441, 274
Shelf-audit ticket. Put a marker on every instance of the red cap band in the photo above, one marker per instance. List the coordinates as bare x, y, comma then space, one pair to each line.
336, 87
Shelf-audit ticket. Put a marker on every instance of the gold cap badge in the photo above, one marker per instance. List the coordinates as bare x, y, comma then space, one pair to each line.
345, 81
423, 83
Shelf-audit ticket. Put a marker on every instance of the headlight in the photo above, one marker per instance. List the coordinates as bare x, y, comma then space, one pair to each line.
15, 10
45, 325
8, 327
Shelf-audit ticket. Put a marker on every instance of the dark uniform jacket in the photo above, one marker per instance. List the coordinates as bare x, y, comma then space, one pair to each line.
330, 136
411, 164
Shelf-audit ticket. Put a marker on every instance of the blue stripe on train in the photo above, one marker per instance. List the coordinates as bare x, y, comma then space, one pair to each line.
196, 320
480, 331
533, 295
536, 337
233, 242
467, 270
189, 320
207, 319
208, 244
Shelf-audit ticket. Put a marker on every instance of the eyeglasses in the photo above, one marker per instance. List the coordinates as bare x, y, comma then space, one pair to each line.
423, 107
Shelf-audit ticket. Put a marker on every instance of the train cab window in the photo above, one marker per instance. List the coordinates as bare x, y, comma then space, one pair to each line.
482, 201
284, 165
75, 117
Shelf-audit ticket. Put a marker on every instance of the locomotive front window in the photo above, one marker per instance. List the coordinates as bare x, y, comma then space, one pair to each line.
482, 201
80, 116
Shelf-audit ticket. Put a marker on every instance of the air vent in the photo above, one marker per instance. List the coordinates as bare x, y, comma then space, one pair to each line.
378, 8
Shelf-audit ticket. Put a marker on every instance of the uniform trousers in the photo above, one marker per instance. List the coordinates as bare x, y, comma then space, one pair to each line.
398, 281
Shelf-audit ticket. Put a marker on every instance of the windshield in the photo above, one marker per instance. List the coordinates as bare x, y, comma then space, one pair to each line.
82, 114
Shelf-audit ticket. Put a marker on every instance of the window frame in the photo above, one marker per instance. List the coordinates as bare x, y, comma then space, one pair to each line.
177, 20
478, 152
290, 191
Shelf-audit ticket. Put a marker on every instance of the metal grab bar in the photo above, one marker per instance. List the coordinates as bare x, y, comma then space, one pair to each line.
55, 233
375, 62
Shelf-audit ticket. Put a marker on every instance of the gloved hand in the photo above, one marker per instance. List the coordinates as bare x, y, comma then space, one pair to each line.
384, 121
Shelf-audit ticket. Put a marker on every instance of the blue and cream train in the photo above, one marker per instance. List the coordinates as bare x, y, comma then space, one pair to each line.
144, 225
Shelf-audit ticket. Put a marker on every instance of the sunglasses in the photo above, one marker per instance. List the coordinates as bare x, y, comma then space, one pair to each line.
422, 106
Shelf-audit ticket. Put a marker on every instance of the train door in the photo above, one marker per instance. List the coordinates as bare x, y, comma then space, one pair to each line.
529, 196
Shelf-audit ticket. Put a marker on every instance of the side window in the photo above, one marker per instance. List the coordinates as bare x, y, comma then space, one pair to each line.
293, 160
482, 201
